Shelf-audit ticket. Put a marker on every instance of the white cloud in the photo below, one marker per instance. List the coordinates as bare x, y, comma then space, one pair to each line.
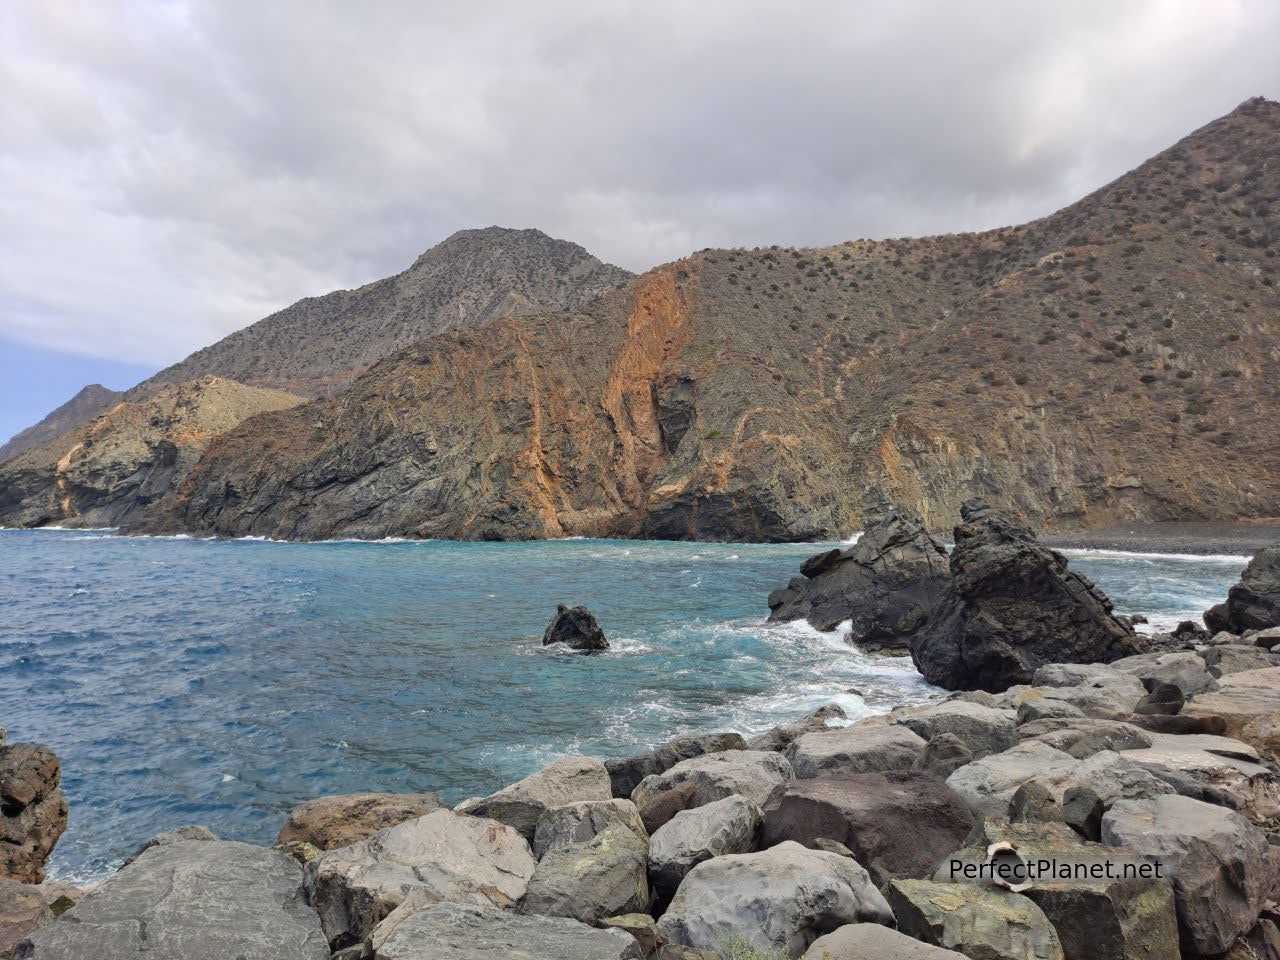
169, 172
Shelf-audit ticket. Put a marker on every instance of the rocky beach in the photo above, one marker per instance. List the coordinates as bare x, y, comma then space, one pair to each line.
1144, 762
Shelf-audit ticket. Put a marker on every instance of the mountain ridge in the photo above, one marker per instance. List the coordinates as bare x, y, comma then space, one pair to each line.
88, 402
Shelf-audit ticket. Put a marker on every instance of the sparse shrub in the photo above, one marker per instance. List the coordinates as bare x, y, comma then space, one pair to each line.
714, 434
737, 948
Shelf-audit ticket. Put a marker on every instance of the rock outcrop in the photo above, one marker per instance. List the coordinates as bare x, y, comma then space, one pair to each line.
33, 809
576, 628
91, 401
330, 822
886, 585
1254, 602
1010, 607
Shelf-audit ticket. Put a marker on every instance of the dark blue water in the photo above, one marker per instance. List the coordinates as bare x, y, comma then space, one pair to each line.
221, 682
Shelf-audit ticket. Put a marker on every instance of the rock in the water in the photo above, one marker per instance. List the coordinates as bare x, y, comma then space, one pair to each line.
23, 911
870, 941
580, 822
988, 785
977, 921
1254, 602
1012, 606
943, 756
443, 855
33, 810
331, 822
748, 773
1248, 704
784, 897
886, 584
455, 932
862, 748
190, 900
625, 774
576, 628
895, 824
1220, 864
731, 825
784, 733
590, 880
523, 803
984, 730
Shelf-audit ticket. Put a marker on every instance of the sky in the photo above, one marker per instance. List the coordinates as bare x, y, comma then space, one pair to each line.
173, 170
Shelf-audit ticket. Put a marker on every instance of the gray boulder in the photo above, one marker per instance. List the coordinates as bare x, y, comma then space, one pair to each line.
1227, 771
455, 932
988, 785
523, 803
580, 822
731, 825
870, 941
1247, 705
1083, 738
984, 730
23, 911
784, 733
1254, 602
443, 855
330, 822
861, 748
978, 921
748, 773
886, 584
1226, 659
1184, 669
943, 755
576, 628
1011, 606
782, 898
1038, 708
1220, 864
176, 835
1086, 791
588, 881
625, 774
191, 900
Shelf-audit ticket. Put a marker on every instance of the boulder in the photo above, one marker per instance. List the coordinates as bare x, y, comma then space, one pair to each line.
987, 786
1084, 792
576, 628
943, 755
580, 822
1225, 771
1102, 697
1010, 607
625, 774
443, 855
1038, 708
870, 941
1248, 705
642, 927
748, 773
176, 835
449, 931
784, 733
731, 825
1226, 659
659, 808
1254, 602
33, 810
898, 824
23, 911
521, 804
1220, 864
885, 585
1085, 737
861, 748
330, 822
1266, 639
593, 879
781, 898
1184, 669
977, 921
190, 900
1164, 699
984, 730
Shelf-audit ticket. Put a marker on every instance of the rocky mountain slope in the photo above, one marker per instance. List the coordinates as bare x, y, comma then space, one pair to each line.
83, 407
321, 343
1106, 363
108, 471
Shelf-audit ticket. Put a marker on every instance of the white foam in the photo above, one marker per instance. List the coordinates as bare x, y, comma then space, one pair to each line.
1101, 554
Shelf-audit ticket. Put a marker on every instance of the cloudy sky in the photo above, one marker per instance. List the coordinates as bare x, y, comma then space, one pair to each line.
172, 170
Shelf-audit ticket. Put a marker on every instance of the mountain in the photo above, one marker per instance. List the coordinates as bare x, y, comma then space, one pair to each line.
83, 407
320, 344
1112, 362
106, 472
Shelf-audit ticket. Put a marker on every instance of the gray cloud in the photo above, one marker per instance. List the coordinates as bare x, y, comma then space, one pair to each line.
172, 171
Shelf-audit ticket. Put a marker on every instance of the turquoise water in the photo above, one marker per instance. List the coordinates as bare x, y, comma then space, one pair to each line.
221, 682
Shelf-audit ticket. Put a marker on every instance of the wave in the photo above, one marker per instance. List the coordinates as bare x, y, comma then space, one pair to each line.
1101, 554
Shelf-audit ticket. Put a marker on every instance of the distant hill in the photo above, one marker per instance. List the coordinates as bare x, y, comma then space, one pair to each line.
1114, 361
320, 344
83, 407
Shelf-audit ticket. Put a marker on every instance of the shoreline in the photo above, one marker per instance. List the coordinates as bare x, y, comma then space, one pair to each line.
1204, 539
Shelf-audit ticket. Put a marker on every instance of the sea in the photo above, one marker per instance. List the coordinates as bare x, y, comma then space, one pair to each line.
221, 682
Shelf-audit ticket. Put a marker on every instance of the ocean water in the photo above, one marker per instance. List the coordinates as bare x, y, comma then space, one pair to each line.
221, 682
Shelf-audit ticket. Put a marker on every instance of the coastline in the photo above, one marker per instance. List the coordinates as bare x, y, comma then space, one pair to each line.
1202, 539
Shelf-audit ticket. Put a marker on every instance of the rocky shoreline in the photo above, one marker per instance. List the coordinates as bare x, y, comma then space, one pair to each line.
1144, 766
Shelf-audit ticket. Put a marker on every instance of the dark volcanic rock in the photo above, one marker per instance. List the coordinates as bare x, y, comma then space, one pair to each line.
33, 810
1254, 602
886, 584
1013, 606
576, 628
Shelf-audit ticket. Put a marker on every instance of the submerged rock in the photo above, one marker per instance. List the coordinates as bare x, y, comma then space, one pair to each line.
576, 628
1254, 602
1010, 607
33, 810
886, 584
